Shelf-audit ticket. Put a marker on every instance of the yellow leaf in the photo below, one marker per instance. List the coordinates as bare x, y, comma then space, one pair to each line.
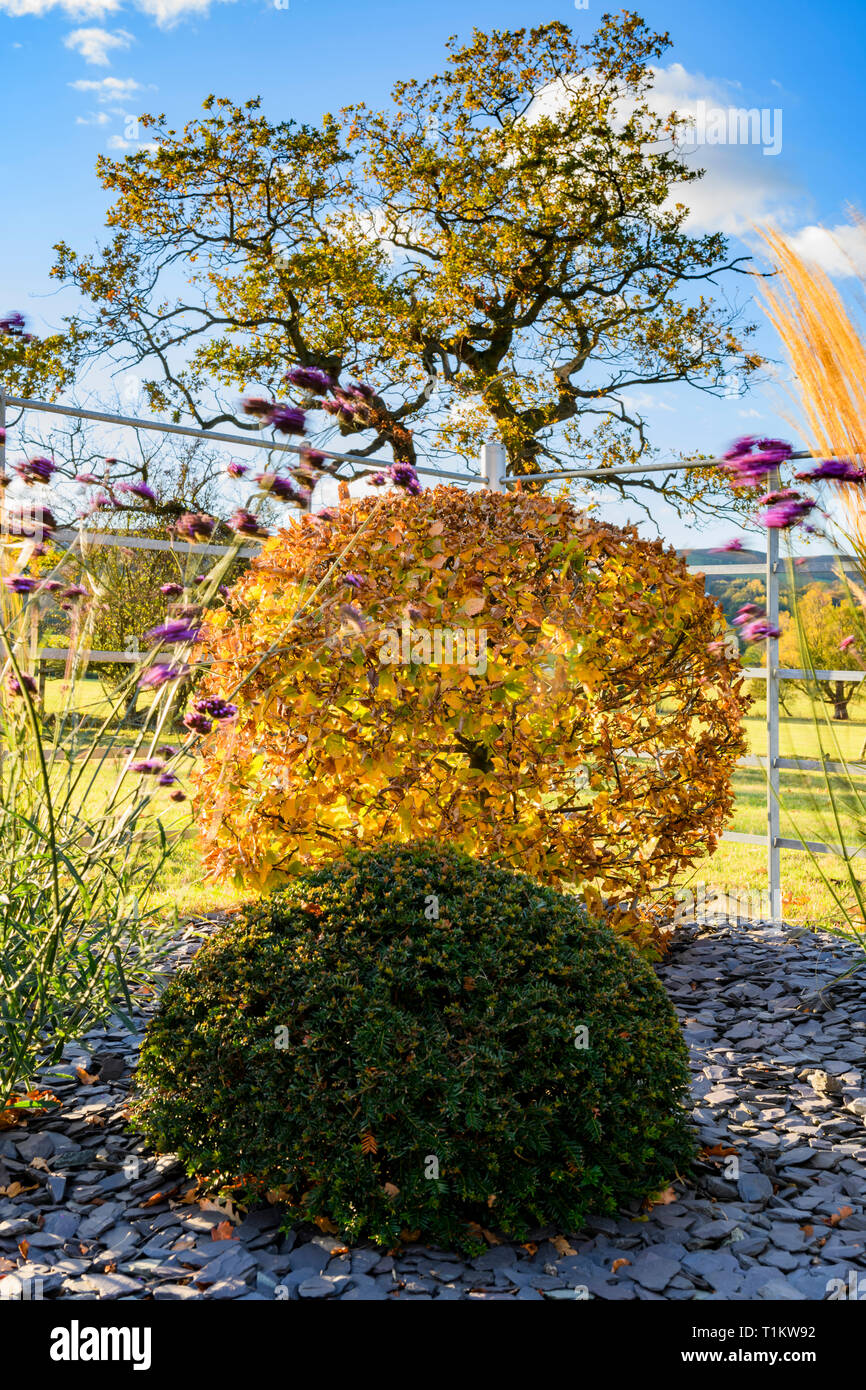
474, 605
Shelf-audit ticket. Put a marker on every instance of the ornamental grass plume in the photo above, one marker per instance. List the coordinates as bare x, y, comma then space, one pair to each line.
828, 355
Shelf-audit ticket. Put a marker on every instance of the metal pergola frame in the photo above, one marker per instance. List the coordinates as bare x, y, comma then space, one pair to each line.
493, 476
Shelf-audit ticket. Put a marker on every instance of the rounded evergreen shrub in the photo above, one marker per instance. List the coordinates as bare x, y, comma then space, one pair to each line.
410, 1040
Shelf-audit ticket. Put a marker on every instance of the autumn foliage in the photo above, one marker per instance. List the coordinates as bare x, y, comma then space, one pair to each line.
590, 742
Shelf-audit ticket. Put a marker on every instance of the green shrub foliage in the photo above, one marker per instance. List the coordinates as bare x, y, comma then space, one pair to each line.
394, 1042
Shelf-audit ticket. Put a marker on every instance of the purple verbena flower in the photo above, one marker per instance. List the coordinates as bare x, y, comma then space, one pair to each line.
404, 475
174, 630
171, 590
784, 514
17, 686
88, 478
287, 419
256, 405
75, 591
36, 470
748, 610
283, 489
160, 673
138, 490
197, 724
840, 469
167, 779
194, 526
728, 546
20, 583
310, 379
216, 707
148, 765
237, 470
244, 523
759, 629
354, 581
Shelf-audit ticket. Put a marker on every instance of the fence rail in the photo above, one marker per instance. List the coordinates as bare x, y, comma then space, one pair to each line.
493, 476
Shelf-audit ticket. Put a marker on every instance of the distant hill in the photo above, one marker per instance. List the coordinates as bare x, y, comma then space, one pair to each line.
809, 570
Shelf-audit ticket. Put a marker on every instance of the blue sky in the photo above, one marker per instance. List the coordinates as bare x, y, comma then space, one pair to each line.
75, 76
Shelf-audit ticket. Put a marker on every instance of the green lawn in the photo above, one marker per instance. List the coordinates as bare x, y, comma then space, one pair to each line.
737, 870
806, 809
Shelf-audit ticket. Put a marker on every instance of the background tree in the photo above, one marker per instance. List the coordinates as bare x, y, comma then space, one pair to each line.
827, 616
501, 251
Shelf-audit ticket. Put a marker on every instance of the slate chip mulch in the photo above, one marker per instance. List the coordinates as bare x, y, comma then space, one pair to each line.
777, 1210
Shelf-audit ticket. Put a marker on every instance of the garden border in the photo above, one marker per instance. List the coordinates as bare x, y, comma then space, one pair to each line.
493, 476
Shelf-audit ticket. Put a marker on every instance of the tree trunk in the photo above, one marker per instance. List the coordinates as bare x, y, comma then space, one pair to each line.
840, 701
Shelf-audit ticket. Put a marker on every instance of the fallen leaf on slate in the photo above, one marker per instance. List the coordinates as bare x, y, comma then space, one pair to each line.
325, 1224
618, 1264
808, 1230
110, 1268
562, 1246
531, 1247
224, 1231
40, 1165
86, 1078
841, 1215
97, 1120
24, 1246
16, 1188
6, 1265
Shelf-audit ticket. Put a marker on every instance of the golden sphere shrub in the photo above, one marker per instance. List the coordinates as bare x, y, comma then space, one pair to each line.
496, 671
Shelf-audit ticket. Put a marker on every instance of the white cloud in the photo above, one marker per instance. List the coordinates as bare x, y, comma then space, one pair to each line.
93, 118
75, 9
840, 251
108, 88
124, 146
94, 44
166, 13
743, 183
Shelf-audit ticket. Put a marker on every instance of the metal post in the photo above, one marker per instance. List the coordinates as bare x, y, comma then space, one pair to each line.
493, 462
774, 869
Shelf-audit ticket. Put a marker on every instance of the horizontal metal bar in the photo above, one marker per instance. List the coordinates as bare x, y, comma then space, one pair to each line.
238, 440
70, 535
61, 653
732, 570
633, 468
817, 847
792, 673
857, 769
